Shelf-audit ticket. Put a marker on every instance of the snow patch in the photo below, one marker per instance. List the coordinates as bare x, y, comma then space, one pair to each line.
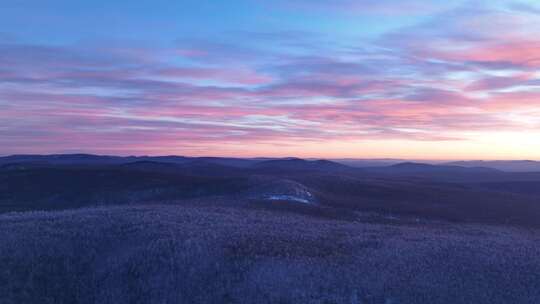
288, 198
282, 190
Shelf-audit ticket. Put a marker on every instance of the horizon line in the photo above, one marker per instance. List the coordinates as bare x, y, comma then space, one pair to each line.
272, 157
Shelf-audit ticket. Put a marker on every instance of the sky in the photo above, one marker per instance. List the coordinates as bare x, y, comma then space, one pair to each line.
416, 79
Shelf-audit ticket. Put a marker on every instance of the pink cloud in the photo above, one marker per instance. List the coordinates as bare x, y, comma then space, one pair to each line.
518, 52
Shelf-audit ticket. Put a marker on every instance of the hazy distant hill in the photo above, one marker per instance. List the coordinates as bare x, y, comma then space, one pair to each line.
363, 163
504, 165
89, 159
301, 164
66, 159
409, 167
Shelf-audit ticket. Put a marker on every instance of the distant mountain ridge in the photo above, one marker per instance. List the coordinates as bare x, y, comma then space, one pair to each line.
286, 162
